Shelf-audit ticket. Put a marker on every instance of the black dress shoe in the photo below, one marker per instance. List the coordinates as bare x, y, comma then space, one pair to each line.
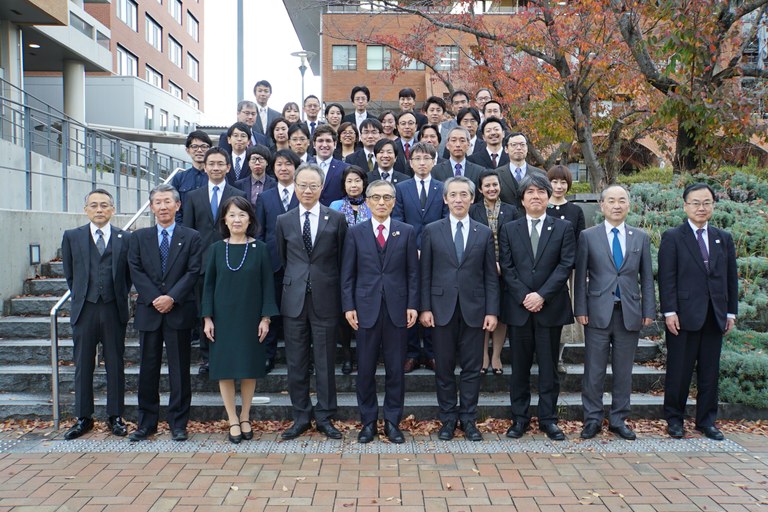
517, 430
203, 370
141, 434
470, 431
270, 364
590, 430
553, 431
711, 432
81, 426
247, 436
117, 425
446, 431
675, 431
346, 367
295, 430
329, 430
179, 434
367, 433
624, 432
393, 433
235, 438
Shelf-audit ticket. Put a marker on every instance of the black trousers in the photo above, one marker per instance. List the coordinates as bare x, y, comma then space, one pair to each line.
276, 326
99, 322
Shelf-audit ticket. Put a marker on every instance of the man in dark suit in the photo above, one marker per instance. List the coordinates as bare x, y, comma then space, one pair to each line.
459, 300
536, 255
165, 266
270, 205
324, 143
386, 156
197, 144
511, 175
310, 241
492, 155
370, 134
264, 115
699, 294
95, 258
407, 101
458, 165
360, 96
247, 113
311, 113
202, 213
469, 118
258, 181
379, 296
406, 127
613, 299
238, 137
419, 201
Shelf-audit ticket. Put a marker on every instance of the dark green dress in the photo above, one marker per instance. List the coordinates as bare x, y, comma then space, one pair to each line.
237, 300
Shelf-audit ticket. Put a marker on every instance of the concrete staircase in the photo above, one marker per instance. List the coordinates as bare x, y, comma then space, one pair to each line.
25, 382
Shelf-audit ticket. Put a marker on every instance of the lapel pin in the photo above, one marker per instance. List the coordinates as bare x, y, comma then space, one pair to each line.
253, 245
717, 241
395, 233
179, 243
629, 232
120, 235
325, 217
549, 228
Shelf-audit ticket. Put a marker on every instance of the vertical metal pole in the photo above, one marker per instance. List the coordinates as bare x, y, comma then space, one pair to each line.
64, 164
240, 51
28, 155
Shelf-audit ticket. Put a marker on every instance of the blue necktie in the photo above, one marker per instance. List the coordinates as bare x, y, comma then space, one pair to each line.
458, 170
215, 202
165, 246
458, 241
618, 258
238, 168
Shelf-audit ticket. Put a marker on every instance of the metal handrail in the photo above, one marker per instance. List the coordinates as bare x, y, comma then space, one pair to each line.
55, 324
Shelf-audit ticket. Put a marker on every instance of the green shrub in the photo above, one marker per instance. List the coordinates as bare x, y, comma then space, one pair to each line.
649, 175
741, 340
744, 378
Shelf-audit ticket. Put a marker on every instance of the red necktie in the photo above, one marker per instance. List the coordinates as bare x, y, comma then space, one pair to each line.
407, 151
380, 237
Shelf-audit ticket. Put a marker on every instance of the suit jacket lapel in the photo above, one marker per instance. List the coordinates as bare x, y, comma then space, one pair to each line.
433, 196
471, 241
446, 229
525, 238
176, 241
83, 246
714, 246
391, 245
117, 243
546, 232
693, 246
322, 224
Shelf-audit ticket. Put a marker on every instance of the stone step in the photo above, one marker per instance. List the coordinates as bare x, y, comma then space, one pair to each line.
52, 269
209, 407
53, 286
14, 327
36, 378
37, 305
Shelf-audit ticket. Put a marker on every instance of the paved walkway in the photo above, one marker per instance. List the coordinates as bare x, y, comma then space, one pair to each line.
98, 472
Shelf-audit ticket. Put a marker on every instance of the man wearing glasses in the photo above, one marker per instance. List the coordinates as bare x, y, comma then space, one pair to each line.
198, 142
699, 294
511, 174
246, 113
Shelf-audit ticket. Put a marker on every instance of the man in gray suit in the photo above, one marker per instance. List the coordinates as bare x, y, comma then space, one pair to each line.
310, 240
614, 298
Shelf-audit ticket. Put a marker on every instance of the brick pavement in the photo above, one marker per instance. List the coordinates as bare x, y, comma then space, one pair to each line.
651, 475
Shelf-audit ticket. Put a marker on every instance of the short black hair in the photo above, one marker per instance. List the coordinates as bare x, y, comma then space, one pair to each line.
309, 98
331, 105
492, 119
371, 122
535, 179
492, 101
433, 127
384, 142
467, 111
258, 149
298, 127
273, 125
216, 150
243, 204
289, 155
360, 88
354, 169
459, 92
436, 100
262, 83
487, 174
239, 126
199, 135
325, 129
401, 114
698, 186
407, 92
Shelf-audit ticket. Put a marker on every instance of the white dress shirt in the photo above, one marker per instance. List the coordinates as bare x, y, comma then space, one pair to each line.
106, 233
622, 236
538, 226
386, 225
314, 219
464, 228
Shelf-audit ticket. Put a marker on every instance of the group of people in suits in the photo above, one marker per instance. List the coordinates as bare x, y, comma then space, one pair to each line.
424, 259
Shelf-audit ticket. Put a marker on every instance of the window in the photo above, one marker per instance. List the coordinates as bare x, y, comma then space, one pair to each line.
447, 58
377, 58
193, 68
193, 101
344, 57
193, 27
153, 33
174, 89
127, 12
176, 123
153, 77
127, 63
149, 114
187, 126
163, 120
175, 8
174, 51
412, 64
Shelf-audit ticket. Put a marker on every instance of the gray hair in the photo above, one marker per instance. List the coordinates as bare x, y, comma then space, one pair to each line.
165, 187
424, 147
535, 179
615, 185
245, 103
459, 179
100, 191
462, 129
380, 183
307, 166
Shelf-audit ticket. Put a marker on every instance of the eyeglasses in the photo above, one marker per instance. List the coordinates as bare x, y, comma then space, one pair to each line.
407, 123
303, 186
417, 159
698, 204
257, 159
203, 147
299, 139
370, 132
386, 197
517, 144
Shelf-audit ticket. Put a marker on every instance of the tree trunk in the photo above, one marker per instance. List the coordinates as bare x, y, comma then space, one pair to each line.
686, 150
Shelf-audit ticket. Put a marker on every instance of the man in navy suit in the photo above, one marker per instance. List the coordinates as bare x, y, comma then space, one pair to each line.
699, 294
370, 133
264, 115
257, 158
492, 155
536, 254
379, 296
459, 300
95, 258
238, 136
246, 113
386, 157
419, 202
457, 164
165, 266
311, 112
271, 204
324, 143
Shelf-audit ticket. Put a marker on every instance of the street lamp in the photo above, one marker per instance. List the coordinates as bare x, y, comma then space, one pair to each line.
305, 57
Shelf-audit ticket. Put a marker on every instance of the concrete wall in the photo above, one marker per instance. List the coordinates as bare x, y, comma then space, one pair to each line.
19, 229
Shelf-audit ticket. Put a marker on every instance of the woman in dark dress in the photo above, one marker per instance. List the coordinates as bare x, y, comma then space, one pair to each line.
492, 212
561, 180
238, 288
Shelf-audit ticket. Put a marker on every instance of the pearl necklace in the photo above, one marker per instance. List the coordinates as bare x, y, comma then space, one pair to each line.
241, 261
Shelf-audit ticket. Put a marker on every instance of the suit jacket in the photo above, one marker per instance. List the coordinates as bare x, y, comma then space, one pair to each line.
479, 147
483, 159
507, 213
181, 274
256, 138
509, 186
446, 283
408, 206
350, 118
594, 285
333, 188
246, 183
685, 285
198, 216
322, 267
272, 114
444, 170
75, 253
546, 274
395, 177
269, 206
401, 162
367, 275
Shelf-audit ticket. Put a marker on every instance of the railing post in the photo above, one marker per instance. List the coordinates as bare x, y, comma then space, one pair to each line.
28, 155
65, 165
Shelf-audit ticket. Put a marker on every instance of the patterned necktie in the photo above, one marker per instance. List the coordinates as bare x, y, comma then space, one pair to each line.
370, 162
618, 257
215, 202
518, 174
407, 147
165, 246
306, 234
238, 168
458, 241
423, 195
494, 159
100, 245
312, 128
385, 176
703, 247
534, 236
286, 200
380, 237
458, 170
